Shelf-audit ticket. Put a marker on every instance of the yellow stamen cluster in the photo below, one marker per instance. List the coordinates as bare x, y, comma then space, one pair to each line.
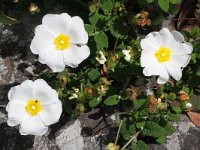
62, 42
163, 54
33, 107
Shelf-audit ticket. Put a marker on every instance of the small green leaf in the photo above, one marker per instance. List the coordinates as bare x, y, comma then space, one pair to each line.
175, 1
169, 129
90, 29
94, 18
174, 117
161, 139
171, 96
7, 20
140, 124
101, 40
95, 101
195, 100
138, 103
107, 6
112, 100
185, 89
139, 145
93, 74
152, 129
176, 109
164, 5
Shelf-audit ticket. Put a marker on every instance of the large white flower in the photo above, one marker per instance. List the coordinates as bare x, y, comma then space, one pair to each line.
60, 40
165, 54
34, 106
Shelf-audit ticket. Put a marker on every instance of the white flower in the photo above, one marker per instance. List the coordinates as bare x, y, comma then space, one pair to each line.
188, 105
34, 106
127, 54
165, 53
60, 40
101, 58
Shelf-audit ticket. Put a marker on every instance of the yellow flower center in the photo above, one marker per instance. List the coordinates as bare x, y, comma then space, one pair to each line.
62, 42
163, 54
33, 107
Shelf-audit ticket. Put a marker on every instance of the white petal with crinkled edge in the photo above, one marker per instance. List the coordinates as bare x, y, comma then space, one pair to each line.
51, 113
153, 41
16, 112
42, 41
75, 55
57, 23
54, 59
21, 92
33, 126
44, 93
163, 76
177, 36
77, 32
174, 71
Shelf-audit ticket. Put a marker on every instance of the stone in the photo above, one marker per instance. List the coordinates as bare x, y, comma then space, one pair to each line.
186, 137
69, 136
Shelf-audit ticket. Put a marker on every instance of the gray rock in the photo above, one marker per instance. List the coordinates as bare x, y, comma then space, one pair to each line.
186, 137
69, 136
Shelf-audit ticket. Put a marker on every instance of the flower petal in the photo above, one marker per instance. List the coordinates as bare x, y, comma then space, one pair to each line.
50, 114
77, 32
21, 92
147, 59
75, 55
179, 61
33, 126
174, 71
163, 77
57, 23
16, 112
54, 59
42, 41
44, 93
154, 40
177, 36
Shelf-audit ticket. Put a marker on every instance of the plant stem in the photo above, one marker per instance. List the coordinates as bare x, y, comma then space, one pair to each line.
116, 43
133, 138
118, 132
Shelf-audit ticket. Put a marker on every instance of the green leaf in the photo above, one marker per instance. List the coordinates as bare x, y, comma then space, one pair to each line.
174, 117
161, 139
101, 40
124, 131
7, 20
139, 145
185, 89
169, 129
175, 1
152, 129
171, 96
94, 18
138, 103
93, 74
48, 4
176, 109
174, 9
95, 101
112, 100
164, 5
90, 29
140, 124
107, 6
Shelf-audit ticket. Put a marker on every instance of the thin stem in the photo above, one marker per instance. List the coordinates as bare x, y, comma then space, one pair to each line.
118, 132
133, 138
116, 43
184, 19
